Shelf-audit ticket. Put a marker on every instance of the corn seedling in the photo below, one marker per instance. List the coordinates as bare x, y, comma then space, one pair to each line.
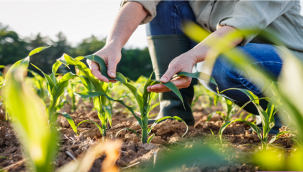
39, 84
71, 88
55, 89
228, 106
28, 119
143, 99
96, 90
267, 117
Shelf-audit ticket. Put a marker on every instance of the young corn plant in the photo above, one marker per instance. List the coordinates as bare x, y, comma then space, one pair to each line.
267, 117
228, 106
39, 84
143, 99
55, 89
71, 88
28, 120
94, 89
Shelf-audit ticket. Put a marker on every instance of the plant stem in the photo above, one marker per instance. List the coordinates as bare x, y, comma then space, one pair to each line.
144, 135
264, 145
103, 132
51, 110
103, 128
144, 130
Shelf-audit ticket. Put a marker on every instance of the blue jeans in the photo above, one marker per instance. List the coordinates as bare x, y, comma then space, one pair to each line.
169, 20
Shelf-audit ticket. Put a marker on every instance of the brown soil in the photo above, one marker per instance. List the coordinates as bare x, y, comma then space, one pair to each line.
166, 133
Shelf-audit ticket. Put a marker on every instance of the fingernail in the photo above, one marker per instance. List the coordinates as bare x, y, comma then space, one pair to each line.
164, 79
112, 74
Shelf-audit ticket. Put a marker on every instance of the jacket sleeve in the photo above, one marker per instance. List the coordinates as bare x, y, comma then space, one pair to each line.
150, 6
254, 16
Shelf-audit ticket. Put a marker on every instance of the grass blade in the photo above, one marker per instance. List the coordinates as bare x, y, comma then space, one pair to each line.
150, 138
98, 126
37, 50
99, 93
70, 121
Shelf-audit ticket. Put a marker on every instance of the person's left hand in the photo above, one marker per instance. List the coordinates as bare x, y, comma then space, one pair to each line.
184, 63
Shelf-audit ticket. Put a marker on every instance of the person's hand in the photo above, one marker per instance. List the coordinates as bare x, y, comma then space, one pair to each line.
111, 55
185, 63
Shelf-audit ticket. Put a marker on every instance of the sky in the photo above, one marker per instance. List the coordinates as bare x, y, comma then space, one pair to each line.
76, 19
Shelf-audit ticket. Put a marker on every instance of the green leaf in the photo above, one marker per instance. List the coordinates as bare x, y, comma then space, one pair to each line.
250, 94
216, 99
30, 123
37, 50
98, 126
61, 104
165, 118
23, 63
173, 88
86, 82
150, 138
212, 132
58, 90
129, 130
119, 77
228, 107
247, 117
147, 94
210, 115
36, 75
108, 114
67, 77
276, 137
85, 95
56, 66
101, 62
84, 71
199, 75
70, 121
152, 107
49, 81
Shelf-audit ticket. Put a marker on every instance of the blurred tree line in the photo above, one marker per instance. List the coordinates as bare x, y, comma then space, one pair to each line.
134, 63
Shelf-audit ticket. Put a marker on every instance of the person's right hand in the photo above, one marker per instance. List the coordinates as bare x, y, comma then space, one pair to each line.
111, 55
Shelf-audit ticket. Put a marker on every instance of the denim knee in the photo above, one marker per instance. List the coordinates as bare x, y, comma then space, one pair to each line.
228, 76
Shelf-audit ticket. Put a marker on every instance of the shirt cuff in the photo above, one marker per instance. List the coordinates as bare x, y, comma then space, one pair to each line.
248, 27
150, 7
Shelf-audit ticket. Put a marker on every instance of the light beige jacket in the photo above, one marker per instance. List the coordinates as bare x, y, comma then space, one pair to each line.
283, 17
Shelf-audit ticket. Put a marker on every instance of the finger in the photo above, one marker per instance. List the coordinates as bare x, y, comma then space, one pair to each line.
98, 75
158, 88
180, 82
171, 71
113, 81
93, 65
94, 68
111, 70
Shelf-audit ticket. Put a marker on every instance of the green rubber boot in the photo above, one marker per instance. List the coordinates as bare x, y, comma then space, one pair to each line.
163, 49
